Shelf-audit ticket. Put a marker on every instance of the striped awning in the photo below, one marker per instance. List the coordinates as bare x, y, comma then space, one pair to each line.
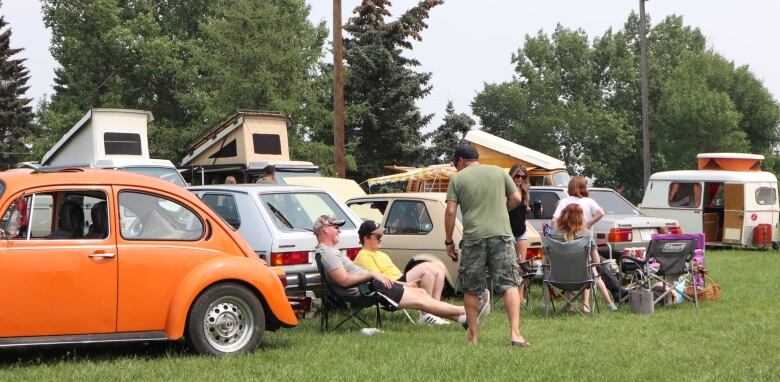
425, 173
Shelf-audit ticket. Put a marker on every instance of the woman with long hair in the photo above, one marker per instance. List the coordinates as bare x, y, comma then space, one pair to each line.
517, 216
519, 175
589, 213
571, 227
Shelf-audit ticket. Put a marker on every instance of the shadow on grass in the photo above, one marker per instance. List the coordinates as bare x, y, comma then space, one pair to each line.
111, 352
53, 354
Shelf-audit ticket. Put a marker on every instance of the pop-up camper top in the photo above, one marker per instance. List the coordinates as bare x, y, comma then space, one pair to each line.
242, 145
111, 139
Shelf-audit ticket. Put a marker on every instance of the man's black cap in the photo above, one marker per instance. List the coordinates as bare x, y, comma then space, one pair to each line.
465, 152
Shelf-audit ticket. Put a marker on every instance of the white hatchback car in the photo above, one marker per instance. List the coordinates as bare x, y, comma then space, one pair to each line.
277, 220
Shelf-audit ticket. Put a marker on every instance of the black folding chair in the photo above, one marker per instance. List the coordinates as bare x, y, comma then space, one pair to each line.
350, 306
527, 274
674, 258
568, 269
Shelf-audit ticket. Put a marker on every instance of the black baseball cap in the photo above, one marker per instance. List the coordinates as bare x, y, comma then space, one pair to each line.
368, 227
465, 152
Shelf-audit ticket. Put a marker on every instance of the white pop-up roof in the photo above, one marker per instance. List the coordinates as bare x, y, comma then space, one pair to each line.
102, 134
503, 153
251, 139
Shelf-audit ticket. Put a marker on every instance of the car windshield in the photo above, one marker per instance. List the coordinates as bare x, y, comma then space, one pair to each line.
298, 211
2, 187
280, 175
164, 173
612, 203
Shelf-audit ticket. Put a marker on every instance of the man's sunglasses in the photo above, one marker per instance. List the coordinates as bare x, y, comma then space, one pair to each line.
378, 236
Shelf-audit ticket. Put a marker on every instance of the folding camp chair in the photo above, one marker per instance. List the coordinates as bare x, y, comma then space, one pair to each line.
351, 306
568, 269
674, 258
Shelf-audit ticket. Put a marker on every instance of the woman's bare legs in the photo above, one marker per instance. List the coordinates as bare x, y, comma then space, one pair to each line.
521, 247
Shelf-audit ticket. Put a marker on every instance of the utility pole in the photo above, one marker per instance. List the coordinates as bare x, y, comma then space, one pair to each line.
645, 101
338, 92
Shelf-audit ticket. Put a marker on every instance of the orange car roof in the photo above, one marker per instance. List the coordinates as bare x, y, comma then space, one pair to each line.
18, 180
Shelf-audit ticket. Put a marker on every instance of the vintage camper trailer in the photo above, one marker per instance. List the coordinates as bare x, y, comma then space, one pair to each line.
242, 145
543, 170
728, 198
113, 139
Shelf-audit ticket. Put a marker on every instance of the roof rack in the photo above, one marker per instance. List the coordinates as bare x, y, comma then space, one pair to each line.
50, 170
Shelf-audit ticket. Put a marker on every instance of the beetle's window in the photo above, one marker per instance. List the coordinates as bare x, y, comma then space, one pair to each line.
60, 215
150, 217
766, 195
687, 195
408, 217
225, 206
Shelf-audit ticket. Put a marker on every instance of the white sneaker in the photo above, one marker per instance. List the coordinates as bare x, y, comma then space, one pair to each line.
432, 320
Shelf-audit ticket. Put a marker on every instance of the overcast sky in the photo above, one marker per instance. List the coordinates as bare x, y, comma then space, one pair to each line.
470, 42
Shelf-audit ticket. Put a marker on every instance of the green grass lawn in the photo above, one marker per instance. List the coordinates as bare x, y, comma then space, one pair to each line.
737, 338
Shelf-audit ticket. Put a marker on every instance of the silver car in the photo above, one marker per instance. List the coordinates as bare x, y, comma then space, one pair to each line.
623, 225
277, 220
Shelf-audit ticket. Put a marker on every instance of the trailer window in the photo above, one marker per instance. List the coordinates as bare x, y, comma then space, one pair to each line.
686, 195
766, 195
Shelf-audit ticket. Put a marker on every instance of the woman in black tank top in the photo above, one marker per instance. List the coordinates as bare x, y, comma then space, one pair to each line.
517, 216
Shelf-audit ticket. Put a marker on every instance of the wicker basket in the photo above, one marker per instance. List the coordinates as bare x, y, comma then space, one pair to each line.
710, 291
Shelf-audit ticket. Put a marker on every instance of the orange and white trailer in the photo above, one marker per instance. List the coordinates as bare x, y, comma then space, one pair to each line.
728, 198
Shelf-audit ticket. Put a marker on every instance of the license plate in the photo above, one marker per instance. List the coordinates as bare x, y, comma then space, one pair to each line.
647, 233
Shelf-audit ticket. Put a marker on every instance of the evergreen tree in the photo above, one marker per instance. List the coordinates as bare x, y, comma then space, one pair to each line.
381, 86
15, 113
450, 134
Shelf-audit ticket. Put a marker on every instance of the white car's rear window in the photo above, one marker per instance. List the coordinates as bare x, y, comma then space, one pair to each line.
298, 211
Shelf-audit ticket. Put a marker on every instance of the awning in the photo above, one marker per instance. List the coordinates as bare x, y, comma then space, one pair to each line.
425, 173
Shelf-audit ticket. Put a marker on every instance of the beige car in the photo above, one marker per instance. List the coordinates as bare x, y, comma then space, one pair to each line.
414, 228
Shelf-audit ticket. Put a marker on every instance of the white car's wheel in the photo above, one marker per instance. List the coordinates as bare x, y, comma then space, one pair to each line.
225, 319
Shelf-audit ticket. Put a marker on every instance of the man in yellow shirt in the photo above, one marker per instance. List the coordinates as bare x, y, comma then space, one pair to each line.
428, 275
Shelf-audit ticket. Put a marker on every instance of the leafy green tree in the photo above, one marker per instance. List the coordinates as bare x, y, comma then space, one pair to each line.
555, 105
15, 112
190, 63
696, 114
260, 55
581, 102
129, 55
381, 86
449, 134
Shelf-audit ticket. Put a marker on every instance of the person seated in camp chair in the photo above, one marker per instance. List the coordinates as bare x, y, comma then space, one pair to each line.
571, 226
344, 275
428, 275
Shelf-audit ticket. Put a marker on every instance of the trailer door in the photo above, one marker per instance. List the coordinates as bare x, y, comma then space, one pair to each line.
734, 213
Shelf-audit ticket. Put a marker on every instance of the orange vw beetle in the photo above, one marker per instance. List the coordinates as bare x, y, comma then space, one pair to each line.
99, 255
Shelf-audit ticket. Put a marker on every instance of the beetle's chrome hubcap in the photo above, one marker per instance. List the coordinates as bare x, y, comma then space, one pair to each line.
228, 324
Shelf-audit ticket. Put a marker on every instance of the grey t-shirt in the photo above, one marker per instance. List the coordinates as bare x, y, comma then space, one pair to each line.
332, 259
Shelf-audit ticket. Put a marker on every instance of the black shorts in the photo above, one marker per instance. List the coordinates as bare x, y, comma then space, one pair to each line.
390, 298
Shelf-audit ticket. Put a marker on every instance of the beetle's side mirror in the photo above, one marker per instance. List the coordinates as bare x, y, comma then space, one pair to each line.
538, 209
3, 236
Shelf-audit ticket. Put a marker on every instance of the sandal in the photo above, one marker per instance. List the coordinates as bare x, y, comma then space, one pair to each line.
521, 344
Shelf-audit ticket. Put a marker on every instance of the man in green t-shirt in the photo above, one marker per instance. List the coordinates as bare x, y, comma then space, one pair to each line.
485, 193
